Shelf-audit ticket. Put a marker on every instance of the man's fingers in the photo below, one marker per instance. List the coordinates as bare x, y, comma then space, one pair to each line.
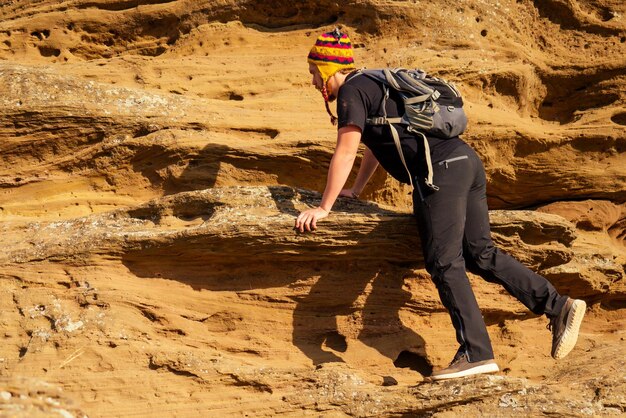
307, 221
301, 222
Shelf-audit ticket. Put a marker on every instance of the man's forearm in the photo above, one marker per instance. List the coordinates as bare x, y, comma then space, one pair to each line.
369, 163
338, 173
348, 139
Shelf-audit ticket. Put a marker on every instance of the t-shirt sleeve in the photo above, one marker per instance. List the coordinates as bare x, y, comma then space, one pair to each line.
352, 107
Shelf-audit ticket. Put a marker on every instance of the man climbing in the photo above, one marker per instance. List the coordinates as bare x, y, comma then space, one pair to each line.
452, 217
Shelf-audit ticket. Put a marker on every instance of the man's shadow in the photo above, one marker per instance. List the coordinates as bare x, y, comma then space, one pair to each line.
363, 302
356, 295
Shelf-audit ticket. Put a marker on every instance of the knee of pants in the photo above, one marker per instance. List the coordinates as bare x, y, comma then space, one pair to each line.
442, 270
483, 257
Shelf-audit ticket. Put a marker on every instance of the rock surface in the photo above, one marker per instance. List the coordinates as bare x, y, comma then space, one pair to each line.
155, 154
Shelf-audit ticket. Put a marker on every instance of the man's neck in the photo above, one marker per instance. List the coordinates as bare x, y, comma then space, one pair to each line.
334, 83
341, 78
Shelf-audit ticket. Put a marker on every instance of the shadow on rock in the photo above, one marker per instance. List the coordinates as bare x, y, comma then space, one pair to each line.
357, 301
344, 281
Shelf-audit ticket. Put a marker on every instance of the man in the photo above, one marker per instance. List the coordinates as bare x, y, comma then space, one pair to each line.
453, 219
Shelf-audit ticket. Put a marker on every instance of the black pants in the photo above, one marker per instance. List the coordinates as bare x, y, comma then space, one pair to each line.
454, 227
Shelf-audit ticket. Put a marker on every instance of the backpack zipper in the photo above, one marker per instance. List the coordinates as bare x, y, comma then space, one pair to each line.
451, 160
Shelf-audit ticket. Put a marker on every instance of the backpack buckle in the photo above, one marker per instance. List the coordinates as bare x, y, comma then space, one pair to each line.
380, 120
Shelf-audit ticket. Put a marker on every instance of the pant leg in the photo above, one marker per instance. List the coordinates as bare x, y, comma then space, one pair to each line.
491, 263
441, 220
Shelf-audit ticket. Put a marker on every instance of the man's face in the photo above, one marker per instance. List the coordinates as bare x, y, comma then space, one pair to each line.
316, 80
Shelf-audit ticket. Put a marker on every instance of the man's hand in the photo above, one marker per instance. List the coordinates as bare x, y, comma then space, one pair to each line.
307, 220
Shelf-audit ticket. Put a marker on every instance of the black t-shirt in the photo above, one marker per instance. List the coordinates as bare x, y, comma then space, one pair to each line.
360, 98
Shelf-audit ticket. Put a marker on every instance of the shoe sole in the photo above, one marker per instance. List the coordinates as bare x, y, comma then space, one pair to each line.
570, 336
482, 369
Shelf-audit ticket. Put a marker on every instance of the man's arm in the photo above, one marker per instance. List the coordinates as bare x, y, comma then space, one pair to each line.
348, 139
369, 164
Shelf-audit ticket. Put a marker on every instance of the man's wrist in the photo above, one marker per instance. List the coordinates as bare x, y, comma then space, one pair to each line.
325, 210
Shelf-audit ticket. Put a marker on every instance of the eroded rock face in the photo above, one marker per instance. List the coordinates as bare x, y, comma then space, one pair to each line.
222, 269
155, 155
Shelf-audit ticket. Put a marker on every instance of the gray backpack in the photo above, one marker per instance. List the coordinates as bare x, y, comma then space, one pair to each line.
432, 107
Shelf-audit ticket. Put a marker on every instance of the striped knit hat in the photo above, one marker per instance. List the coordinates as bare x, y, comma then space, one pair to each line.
332, 52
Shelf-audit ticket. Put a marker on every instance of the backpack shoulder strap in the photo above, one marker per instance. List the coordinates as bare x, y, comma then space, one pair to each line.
404, 82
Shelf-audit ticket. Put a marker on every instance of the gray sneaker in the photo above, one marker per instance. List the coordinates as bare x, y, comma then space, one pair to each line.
461, 367
565, 327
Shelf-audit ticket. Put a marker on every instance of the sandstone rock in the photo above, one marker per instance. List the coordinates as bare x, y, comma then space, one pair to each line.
24, 397
156, 153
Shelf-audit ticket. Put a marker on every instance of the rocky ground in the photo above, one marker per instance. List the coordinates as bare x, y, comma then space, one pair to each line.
155, 154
